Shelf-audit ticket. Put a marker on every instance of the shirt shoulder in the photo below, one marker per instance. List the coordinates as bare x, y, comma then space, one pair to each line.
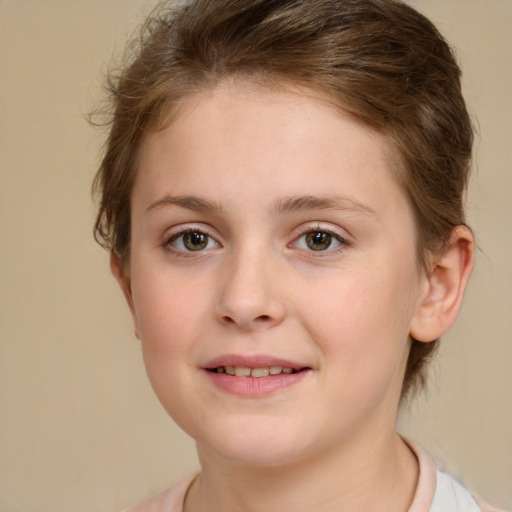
170, 500
451, 495
439, 492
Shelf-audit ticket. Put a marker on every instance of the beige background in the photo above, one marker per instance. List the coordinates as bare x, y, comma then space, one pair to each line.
80, 429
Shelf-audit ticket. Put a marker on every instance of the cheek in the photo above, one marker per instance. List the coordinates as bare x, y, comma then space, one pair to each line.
361, 322
170, 314
170, 310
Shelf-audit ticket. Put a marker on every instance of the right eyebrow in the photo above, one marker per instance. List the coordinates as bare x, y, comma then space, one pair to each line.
189, 202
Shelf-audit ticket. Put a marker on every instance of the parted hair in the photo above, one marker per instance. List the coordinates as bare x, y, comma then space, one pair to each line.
380, 61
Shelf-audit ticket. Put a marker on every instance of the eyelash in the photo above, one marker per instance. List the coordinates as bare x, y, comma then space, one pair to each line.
343, 242
167, 245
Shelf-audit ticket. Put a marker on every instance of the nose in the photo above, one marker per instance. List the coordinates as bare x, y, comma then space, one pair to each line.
250, 297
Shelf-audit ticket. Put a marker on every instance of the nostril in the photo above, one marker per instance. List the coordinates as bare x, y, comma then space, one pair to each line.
248, 318
261, 320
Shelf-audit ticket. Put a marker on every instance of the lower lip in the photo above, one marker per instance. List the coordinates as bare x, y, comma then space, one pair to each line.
255, 386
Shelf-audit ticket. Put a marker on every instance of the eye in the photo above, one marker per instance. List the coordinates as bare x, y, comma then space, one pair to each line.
319, 240
191, 241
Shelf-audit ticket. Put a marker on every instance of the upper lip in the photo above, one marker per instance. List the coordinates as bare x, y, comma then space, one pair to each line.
252, 361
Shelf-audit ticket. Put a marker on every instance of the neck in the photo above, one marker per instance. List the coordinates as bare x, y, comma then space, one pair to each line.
355, 476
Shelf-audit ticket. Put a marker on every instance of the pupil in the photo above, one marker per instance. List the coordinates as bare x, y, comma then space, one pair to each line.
318, 241
195, 241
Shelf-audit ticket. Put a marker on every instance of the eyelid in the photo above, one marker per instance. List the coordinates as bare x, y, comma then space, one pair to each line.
174, 233
342, 238
338, 233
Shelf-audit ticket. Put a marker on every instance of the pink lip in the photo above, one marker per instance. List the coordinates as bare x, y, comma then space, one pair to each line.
256, 361
254, 386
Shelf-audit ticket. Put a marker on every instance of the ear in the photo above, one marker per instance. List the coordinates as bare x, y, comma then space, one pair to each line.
444, 286
118, 271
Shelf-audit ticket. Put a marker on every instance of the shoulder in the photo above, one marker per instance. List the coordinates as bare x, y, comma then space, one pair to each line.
451, 495
170, 500
439, 492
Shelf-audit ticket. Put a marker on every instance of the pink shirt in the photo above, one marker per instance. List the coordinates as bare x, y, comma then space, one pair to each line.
435, 492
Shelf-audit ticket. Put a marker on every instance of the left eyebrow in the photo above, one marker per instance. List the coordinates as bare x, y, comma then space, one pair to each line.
307, 202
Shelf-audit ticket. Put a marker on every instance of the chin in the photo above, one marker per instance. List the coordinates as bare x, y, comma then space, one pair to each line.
261, 456
257, 446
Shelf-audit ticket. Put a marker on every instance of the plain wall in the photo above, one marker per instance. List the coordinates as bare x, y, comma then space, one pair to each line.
80, 429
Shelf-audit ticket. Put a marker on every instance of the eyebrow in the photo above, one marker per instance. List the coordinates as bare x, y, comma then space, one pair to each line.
189, 202
332, 202
280, 207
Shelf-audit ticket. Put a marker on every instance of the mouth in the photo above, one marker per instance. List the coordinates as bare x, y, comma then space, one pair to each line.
258, 373
255, 376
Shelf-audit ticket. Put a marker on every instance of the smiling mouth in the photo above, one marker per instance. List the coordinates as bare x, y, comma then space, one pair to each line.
243, 371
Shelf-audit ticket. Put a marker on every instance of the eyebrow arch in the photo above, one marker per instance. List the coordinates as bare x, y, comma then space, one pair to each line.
286, 205
189, 202
334, 202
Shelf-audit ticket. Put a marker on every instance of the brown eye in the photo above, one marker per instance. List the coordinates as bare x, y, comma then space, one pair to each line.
195, 241
318, 240
192, 241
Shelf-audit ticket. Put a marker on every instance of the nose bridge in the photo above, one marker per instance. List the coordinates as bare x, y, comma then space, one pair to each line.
249, 296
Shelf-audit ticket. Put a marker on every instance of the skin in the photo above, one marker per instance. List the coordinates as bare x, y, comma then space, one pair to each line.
345, 312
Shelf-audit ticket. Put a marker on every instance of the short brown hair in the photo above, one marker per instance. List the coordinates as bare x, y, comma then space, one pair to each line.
379, 60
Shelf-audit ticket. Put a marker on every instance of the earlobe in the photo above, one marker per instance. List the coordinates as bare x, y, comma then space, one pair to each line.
118, 271
444, 288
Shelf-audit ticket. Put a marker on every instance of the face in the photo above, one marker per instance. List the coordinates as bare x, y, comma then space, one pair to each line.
271, 240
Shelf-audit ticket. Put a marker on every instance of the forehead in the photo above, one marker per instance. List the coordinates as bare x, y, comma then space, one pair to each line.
244, 128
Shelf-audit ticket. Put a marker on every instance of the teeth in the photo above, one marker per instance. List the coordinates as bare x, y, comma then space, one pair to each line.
260, 372
243, 371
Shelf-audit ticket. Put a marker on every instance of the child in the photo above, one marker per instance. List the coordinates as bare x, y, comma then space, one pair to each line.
282, 195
